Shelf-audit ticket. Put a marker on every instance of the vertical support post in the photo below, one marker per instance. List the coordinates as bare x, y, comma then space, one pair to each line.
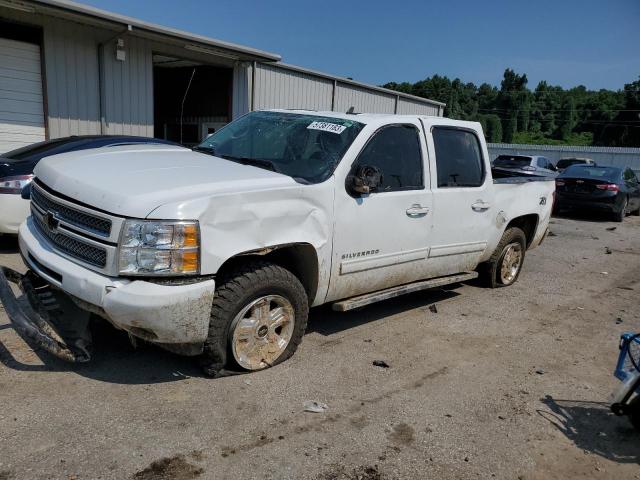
253, 86
333, 95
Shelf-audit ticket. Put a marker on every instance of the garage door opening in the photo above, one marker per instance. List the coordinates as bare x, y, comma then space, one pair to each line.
21, 92
191, 100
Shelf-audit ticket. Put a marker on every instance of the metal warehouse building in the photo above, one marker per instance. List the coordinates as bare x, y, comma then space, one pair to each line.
69, 69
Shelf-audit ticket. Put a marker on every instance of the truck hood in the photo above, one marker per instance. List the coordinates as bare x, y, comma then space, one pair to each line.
134, 180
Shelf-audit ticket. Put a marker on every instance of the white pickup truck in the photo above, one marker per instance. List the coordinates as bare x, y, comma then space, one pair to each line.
220, 251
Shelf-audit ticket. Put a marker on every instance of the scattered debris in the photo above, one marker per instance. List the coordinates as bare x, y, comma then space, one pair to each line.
607, 250
380, 363
593, 237
619, 321
433, 308
625, 288
247, 382
367, 340
579, 308
604, 273
314, 406
540, 371
611, 229
551, 234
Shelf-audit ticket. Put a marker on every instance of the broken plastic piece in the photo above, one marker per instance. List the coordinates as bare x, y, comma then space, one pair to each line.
314, 406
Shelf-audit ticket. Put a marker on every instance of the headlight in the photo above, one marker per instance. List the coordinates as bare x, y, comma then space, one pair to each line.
150, 247
14, 184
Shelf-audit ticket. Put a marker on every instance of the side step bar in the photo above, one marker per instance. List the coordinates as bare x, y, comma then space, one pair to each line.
368, 298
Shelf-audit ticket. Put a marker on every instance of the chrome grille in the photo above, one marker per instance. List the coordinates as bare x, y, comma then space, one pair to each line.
98, 225
82, 251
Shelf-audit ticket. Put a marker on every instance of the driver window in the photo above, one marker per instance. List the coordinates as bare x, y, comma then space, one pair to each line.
395, 150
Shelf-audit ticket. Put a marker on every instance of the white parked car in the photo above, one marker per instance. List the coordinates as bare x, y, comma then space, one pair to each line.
220, 252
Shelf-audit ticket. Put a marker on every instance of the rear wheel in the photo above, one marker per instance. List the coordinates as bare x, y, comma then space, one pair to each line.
258, 318
619, 216
504, 266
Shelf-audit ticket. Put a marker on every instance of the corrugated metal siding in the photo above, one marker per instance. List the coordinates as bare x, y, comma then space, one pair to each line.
411, 107
71, 63
619, 157
280, 88
240, 102
363, 101
128, 89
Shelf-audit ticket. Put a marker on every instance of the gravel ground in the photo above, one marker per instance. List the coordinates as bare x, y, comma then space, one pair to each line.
510, 383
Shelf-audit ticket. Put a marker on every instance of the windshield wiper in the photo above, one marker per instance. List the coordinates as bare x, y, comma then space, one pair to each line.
200, 148
256, 162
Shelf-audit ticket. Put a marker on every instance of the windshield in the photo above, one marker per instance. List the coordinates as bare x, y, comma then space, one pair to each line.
305, 147
585, 171
512, 161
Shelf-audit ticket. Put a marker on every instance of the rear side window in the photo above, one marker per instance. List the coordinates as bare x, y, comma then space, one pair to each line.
458, 158
395, 150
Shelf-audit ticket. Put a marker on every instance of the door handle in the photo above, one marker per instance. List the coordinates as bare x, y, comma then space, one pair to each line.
417, 210
480, 206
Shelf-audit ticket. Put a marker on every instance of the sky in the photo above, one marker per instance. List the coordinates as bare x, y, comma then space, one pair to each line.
595, 43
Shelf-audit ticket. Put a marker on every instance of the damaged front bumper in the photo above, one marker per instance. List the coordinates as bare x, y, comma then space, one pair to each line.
32, 321
172, 315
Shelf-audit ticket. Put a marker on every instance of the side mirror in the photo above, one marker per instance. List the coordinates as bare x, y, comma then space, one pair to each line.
366, 180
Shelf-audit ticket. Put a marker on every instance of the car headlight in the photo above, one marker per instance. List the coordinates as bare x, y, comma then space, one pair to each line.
149, 247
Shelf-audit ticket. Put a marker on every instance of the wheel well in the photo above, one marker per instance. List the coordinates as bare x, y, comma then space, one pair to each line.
528, 224
300, 259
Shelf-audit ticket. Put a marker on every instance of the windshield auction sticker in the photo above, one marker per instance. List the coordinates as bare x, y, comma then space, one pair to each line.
327, 127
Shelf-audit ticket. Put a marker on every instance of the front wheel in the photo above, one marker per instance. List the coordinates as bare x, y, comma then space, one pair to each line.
504, 266
258, 318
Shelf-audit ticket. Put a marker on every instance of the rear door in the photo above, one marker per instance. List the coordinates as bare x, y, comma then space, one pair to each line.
463, 199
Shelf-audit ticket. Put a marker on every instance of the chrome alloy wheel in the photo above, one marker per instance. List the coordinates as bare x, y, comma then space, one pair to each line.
262, 331
511, 263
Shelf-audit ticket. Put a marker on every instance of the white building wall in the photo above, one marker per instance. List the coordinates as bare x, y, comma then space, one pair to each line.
128, 88
71, 73
283, 88
363, 100
407, 106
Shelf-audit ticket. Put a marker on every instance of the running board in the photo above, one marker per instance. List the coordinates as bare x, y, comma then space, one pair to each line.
368, 298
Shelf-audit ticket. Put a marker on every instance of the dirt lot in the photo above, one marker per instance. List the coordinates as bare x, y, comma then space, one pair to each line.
509, 383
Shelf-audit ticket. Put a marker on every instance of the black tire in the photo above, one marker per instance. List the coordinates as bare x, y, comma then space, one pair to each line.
634, 415
236, 290
619, 216
490, 270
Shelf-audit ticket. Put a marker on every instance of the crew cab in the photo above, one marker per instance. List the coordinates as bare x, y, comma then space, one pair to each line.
220, 251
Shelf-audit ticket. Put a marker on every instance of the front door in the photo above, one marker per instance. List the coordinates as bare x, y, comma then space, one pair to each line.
381, 239
463, 200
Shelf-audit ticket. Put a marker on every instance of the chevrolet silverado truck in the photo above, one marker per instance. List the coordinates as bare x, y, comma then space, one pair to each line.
219, 252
